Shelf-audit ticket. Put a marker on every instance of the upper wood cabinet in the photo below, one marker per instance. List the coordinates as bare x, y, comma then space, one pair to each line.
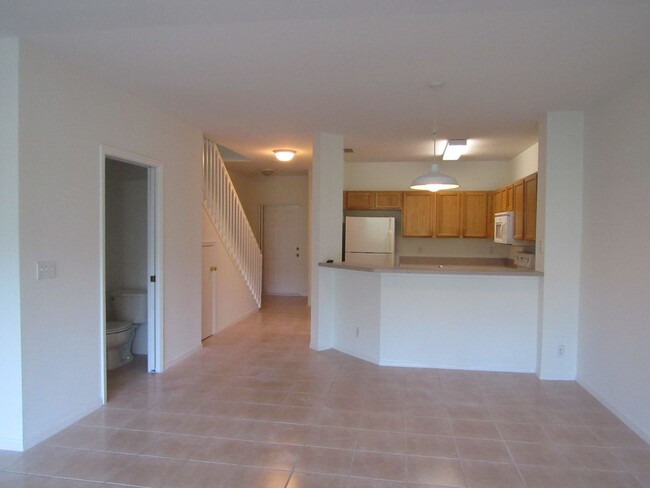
530, 207
518, 209
418, 209
475, 210
372, 200
359, 200
447, 214
388, 200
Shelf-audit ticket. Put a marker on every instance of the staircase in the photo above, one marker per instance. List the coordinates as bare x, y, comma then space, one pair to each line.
225, 210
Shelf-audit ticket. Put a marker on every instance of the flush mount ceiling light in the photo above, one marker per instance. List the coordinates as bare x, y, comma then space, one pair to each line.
455, 149
284, 154
434, 180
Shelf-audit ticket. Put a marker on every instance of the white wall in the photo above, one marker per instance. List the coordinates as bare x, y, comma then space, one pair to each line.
65, 116
234, 299
525, 163
326, 227
256, 191
614, 336
560, 181
11, 417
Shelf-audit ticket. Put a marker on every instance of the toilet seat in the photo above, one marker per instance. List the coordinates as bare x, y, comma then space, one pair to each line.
115, 327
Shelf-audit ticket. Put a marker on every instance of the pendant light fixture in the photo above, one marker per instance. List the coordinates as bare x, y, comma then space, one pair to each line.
434, 180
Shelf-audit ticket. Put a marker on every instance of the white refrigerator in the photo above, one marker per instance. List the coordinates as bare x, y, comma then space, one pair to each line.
370, 241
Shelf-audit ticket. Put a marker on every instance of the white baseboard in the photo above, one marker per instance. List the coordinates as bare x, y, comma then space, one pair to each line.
503, 368
236, 320
636, 428
39, 437
349, 352
175, 361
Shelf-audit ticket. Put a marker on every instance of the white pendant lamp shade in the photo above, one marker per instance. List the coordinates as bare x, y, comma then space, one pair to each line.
434, 181
284, 154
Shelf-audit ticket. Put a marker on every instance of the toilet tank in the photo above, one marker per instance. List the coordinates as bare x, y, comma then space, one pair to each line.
129, 306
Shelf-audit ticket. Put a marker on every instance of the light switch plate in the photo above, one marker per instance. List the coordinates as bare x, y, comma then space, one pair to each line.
45, 270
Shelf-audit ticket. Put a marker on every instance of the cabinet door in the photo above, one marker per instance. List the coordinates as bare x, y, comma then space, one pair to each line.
530, 207
448, 214
518, 209
509, 199
359, 200
417, 209
497, 201
474, 213
388, 200
490, 216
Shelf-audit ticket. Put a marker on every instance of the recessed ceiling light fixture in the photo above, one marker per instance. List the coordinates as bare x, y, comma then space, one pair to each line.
434, 180
284, 154
455, 149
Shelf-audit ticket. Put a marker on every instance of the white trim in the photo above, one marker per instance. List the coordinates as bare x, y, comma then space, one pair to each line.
11, 444
358, 356
504, 368
636, 428
154, 252
173, 362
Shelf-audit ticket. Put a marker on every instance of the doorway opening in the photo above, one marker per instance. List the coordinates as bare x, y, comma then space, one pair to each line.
284, 251
131, 278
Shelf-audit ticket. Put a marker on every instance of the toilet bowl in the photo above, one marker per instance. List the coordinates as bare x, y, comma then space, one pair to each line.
128, 310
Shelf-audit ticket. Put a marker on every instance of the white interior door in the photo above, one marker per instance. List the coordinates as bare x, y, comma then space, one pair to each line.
208, 290
283, 250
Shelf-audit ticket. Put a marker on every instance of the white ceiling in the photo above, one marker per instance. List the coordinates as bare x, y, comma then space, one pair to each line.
259, 75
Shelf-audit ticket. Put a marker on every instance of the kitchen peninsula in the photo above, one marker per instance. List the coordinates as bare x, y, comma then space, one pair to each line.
433, 316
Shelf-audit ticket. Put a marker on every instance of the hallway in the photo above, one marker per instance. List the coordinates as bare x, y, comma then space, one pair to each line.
257, 408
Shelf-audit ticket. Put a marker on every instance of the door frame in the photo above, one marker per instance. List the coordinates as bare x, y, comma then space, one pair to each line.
214, 325
155, 346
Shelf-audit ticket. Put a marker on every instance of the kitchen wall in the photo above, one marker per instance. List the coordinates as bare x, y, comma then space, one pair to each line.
613, 358
64, 118
472, 175
256, 191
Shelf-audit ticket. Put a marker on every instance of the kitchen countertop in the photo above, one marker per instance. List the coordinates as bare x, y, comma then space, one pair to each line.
462, 267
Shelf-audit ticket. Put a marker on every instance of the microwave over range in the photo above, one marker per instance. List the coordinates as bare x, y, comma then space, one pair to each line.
503, 227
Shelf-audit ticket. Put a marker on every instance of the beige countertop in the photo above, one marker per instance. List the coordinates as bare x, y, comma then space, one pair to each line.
470, 267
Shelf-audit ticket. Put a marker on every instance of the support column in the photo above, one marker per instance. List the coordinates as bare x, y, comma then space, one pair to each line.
560, 218
326, 229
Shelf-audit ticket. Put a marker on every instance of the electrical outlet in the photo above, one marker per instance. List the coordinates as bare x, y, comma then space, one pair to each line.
45, 270
560, 351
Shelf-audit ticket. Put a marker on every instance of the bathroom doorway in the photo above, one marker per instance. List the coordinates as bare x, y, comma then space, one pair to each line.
131, 202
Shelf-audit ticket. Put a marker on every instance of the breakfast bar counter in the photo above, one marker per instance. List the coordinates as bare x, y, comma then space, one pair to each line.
453, 316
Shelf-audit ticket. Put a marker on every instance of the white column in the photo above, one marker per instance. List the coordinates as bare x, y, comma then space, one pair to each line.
326, 229
559, 242
11, 404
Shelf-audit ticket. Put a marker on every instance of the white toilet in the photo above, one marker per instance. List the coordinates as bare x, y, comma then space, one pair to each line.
128, 309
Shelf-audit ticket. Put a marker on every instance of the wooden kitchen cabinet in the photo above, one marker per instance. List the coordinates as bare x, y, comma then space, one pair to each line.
388, 200
509, 199
498, 196
418, 209
530, 207
359, 200
518, 209
447, 214
475, 210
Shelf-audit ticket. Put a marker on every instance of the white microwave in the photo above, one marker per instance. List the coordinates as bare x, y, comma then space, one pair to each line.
503, 227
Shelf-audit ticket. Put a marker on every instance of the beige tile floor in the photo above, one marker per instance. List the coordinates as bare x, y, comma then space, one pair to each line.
257, 408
